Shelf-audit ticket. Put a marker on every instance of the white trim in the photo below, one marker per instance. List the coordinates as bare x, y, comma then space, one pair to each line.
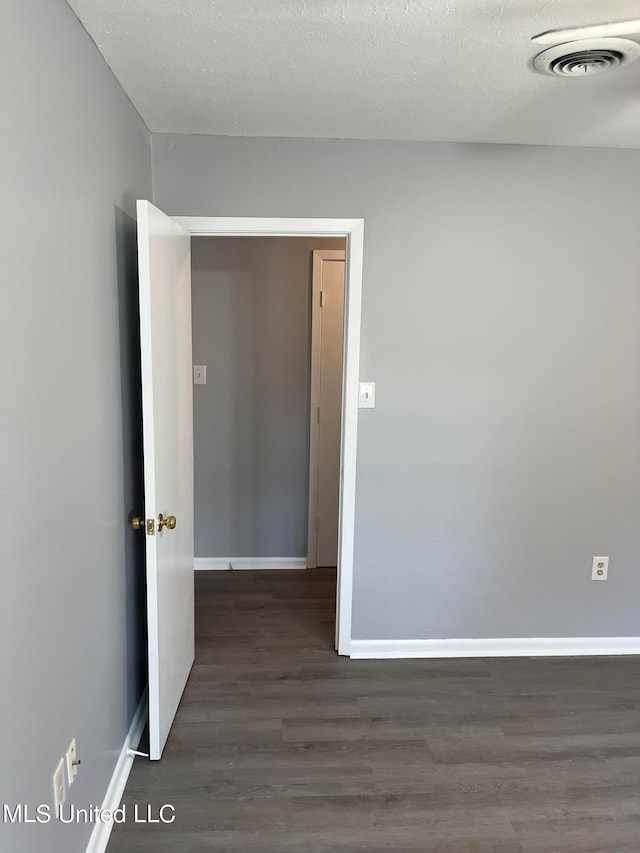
319, 257
102, 831
350, 382
240, 564
212, 564
494, 648
353, 230
249, 226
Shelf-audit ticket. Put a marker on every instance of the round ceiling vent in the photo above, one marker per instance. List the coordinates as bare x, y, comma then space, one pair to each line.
587, 57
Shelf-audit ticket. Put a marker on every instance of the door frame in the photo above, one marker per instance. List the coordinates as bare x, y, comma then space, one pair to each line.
319, 256
353, 231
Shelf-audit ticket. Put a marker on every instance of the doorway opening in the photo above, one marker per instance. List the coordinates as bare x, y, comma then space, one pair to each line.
268, 341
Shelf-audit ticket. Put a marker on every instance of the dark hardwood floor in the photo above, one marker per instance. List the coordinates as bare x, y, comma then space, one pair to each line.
280, 746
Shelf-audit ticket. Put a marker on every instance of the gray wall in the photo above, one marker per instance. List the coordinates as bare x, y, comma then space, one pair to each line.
251, 327
501, 322
74, 157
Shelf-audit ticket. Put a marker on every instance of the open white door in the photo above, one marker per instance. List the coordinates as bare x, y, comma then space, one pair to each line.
327, 345
164, 257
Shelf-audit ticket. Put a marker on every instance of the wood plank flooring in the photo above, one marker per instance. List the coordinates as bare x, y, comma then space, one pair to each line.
280, 746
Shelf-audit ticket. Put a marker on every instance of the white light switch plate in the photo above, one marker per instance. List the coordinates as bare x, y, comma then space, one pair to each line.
367, 395
199, 374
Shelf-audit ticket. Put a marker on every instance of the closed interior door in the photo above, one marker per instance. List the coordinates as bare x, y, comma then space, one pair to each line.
327, 358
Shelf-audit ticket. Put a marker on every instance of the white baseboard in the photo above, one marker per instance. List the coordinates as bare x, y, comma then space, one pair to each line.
240, 564
212, 564
102, 831
492, 648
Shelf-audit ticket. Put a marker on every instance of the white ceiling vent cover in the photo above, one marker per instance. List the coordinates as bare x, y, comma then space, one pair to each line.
587, 57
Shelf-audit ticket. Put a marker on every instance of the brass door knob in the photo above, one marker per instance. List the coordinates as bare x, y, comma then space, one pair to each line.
137, 523
169, 521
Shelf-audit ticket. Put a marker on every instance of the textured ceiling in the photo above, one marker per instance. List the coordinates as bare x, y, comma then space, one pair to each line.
450, 70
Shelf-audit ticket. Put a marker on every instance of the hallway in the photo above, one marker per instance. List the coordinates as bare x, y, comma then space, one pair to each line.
280, 746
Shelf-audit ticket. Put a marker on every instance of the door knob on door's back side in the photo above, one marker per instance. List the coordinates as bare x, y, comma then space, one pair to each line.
169, 521
137, 523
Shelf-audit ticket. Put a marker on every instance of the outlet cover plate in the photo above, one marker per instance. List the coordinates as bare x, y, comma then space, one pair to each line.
71, 756
59, 788
600, 569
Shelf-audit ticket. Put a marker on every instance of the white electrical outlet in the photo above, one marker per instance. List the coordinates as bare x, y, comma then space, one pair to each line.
59, 789
72, 758
600, 569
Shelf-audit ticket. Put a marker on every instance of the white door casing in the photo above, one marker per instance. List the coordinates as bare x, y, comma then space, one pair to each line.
164, 257
353, 230
327, 343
